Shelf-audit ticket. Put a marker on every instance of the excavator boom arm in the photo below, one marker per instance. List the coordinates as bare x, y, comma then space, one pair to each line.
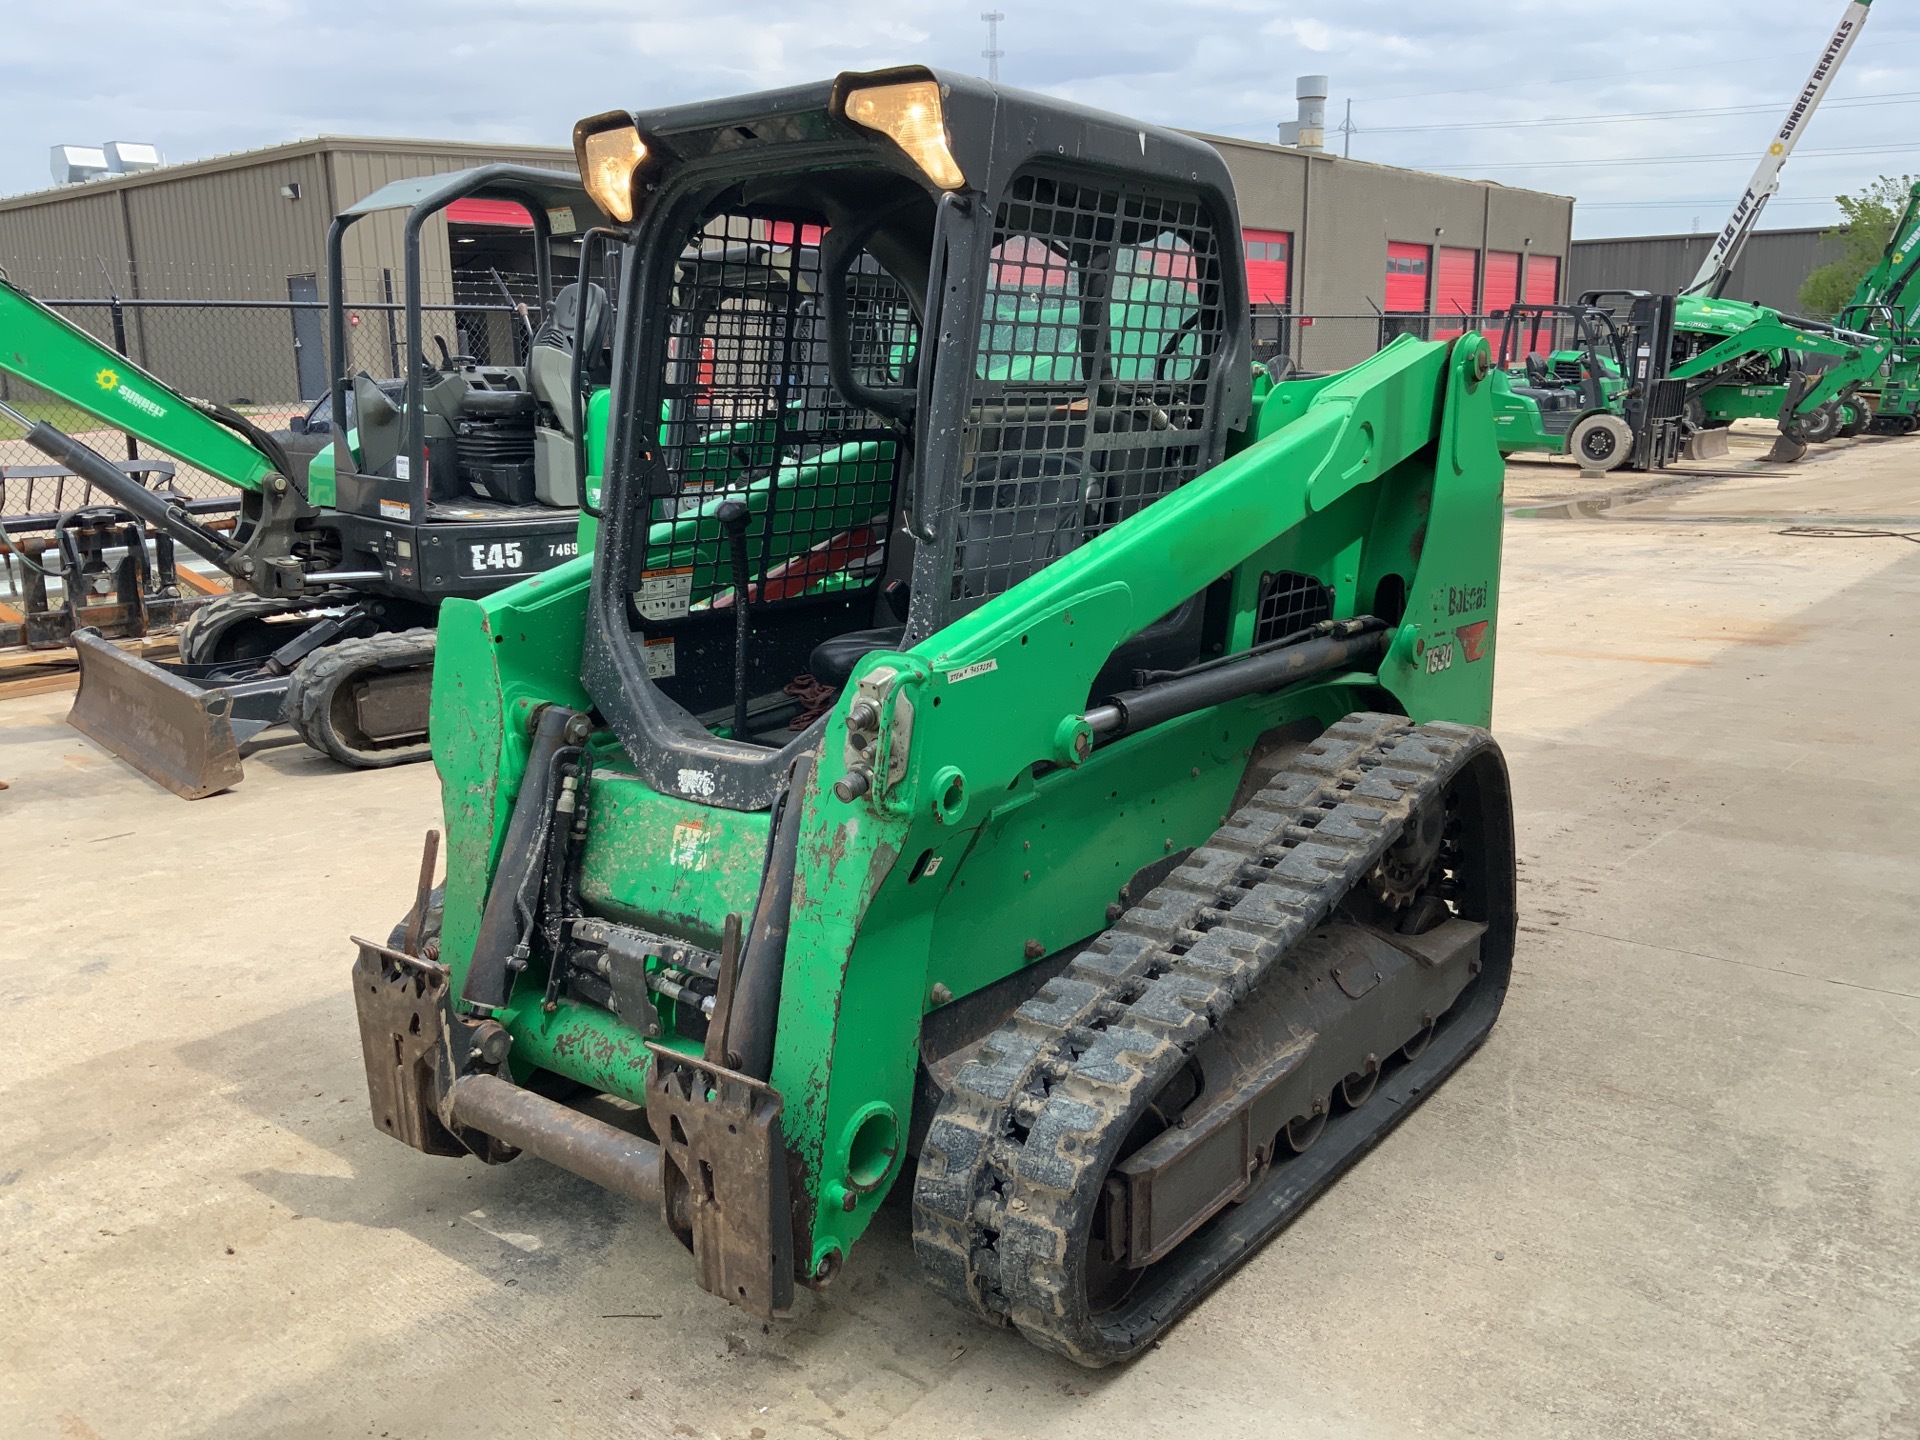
46, 349
1886, 284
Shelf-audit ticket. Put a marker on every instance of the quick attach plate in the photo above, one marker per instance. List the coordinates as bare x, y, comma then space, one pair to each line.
401, 1001
727, 1192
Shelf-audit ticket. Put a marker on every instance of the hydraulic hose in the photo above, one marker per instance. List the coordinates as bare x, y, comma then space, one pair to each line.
756, 996
260, 440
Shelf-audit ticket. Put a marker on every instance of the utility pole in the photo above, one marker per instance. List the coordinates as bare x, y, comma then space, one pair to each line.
1346, 129
993, 52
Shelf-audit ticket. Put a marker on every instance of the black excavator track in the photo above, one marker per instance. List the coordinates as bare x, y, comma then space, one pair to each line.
237, 626
364, 701
1360, 906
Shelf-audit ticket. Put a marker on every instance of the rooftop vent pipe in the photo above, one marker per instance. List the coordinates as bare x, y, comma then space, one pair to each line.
1309, 132
130, 157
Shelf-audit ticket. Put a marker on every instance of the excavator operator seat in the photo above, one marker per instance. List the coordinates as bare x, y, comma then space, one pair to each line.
570, 323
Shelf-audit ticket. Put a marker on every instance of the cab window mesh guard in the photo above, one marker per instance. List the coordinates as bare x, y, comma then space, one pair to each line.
748, 413
1102, 322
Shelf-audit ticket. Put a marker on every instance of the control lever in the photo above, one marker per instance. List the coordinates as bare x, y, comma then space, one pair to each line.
733, 517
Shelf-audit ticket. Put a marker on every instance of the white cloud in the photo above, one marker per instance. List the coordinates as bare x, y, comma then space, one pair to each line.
202, 77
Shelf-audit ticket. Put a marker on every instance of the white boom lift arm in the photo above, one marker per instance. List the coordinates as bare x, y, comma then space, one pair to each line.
1718, 266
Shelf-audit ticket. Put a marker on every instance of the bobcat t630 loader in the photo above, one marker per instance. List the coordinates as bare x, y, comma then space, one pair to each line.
1030, 763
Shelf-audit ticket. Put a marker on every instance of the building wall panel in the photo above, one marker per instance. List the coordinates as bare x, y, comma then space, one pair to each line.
1771, 271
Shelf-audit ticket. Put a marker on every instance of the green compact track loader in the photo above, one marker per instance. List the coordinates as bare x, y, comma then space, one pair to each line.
1033, 766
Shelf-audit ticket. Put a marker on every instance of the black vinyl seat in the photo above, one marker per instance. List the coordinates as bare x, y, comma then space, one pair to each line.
833, 659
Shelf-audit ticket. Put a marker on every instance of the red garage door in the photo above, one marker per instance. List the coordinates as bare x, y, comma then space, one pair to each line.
1543, 279
489, 212
1503, 288
1269, 266
1407, 267
1457, 273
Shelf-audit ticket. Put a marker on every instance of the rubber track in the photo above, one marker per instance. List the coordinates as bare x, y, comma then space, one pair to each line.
204, 629
1015, 1154
317, 678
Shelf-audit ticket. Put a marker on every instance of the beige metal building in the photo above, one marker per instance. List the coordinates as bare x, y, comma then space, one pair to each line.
1341, 253
1372, 250
252, 226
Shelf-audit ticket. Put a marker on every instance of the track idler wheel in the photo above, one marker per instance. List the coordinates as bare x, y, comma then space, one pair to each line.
364, 702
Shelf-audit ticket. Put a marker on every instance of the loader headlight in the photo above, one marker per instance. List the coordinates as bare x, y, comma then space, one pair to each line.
608, 159
910, 114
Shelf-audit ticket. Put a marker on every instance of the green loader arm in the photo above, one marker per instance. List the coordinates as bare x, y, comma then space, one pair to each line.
50, 351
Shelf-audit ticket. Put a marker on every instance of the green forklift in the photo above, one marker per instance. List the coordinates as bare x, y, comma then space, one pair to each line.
1587, 381
1043, 777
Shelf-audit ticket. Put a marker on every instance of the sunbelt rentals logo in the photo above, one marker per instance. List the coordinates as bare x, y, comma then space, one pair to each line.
108, 379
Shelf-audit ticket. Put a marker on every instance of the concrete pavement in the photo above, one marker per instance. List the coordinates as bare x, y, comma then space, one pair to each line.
1675, 1195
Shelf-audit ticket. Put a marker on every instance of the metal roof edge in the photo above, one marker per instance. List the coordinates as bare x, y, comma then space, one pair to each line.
1269, 147
279, 154
1698, 235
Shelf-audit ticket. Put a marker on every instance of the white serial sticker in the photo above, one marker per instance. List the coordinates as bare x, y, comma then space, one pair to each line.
689, 849
560, 220
665, 594
395, 510
933, 866
968, 672
660, 659
696, 782
403, 467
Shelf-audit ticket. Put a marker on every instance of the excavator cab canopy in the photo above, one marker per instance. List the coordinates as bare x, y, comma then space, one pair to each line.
891, 345
477, 436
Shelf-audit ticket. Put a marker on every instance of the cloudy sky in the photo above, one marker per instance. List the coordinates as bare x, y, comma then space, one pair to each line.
1669, 101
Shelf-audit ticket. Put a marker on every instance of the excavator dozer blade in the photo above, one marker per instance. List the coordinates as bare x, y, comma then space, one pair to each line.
168, 728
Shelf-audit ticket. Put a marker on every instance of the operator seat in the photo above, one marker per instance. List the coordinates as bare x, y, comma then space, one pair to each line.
833, 659
570, 322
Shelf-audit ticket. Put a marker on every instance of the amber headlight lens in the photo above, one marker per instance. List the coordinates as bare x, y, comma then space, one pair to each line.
608, 159
910, 115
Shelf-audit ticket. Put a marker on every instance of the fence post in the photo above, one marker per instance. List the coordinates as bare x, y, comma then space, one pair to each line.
120, 344
393, 336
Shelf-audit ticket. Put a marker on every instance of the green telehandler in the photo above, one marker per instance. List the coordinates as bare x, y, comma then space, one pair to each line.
460, 478
1046, 779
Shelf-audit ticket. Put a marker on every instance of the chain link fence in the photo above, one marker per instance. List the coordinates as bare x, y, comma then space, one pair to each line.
1324, 343
218, 339
265, 358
